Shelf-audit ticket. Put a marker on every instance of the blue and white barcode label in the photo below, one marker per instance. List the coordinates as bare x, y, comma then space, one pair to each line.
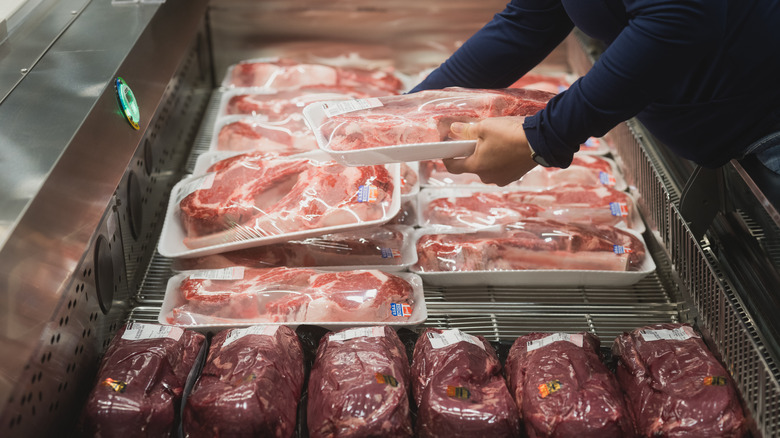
620, 249
606, 179
367, 193
618, 208
400, 309
388, 253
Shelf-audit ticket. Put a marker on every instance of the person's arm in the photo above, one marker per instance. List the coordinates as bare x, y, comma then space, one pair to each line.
641, 66
511, 44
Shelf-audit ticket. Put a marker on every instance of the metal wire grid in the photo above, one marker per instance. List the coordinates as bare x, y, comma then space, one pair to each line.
720, 312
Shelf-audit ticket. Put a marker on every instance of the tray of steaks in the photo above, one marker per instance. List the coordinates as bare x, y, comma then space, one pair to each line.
533, 252
251, 199
411, 127
242, 296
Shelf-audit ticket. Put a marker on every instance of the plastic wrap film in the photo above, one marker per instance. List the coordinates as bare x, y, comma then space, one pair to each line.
675, 387
419, 118
389, 246
533, 244
584, 170
552, 82
250, 385
249, 197
141, 381
285, 137
290, 295
589, 205
359, 385
459, 387
563, 389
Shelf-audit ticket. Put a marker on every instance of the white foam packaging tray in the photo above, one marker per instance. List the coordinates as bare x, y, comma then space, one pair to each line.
538, 278
314, 115
174, 299
172, 236
432, 193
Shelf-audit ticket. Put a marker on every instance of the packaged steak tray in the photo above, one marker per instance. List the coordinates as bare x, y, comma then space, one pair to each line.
563, 389
359, 385
250, 385
141, 381
674, 386
453, 373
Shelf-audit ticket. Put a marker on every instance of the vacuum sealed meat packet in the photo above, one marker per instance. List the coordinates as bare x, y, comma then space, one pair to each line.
245, 296
471, 208
250, 385
246, 134
454, 373
553, 82
141, 381
563, 389
389, 247
674, 386
249, 200
414, 126
359, 385
287, 74
587, 170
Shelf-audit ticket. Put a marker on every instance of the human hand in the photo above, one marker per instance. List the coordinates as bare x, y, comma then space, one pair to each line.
502, 154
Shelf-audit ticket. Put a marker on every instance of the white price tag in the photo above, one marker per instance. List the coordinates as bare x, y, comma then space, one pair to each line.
232, 273
347, 106
575, 339
367, 332
450, 337
201, 183
235, 334
137, 331
678, 334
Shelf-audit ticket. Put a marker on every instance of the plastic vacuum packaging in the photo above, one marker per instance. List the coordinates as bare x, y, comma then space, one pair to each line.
594, 205
359, 385
675, 387
246, 296
141, 381
459, 387
250, 200
290, 74
250, 385
563, 389
389, 247
286, 137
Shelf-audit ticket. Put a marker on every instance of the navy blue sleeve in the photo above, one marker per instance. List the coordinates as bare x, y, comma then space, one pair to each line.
642, 65
511, 44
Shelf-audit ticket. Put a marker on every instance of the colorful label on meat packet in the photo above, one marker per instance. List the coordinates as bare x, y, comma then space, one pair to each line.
620, 249
607, 179
618, 208
548, 388
388, 253
116, 385
401, 309
458, 392
367, 193
591, 143
715, 381
384, 379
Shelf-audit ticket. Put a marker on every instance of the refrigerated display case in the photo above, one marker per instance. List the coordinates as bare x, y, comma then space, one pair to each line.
84, 190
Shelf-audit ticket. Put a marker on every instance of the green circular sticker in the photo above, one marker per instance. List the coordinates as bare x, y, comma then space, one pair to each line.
128, 103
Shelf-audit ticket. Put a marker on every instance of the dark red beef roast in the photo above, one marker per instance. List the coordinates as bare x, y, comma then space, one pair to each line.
141, 381
459, 387
675, 387
359, 385
250, 385
563, 389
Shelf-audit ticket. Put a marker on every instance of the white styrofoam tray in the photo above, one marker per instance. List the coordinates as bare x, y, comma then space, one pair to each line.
172, 237
540, 277
173, 299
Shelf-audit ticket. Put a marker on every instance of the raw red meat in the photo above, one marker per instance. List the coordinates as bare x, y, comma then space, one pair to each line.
359, 385
141, 381
584, 170
279, 105
454, 373
408, 179
532, 244
250, 385
563, 389
294, 295
252, 197
375, 246
675, 387
287, 137
286, 74
426, 116
596, 205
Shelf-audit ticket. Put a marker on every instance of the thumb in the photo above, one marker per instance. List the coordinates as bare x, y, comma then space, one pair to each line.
464, 131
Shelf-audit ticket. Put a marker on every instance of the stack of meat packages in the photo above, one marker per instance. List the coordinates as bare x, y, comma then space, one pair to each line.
158, 380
